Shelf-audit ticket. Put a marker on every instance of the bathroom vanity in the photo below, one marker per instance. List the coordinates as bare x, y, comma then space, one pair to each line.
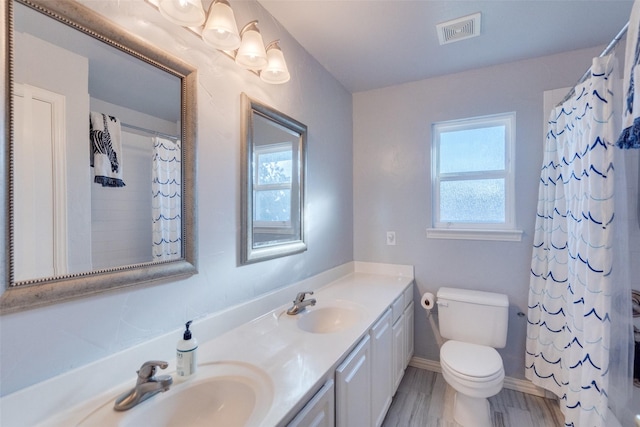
338, 362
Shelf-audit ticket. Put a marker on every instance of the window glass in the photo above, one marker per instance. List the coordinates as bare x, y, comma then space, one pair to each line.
481, 200
273, 205
275, 167
487, 145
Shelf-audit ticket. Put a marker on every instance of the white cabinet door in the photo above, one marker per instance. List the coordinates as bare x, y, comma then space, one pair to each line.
408, 333
381, 368
319, 411
353, 387
398, 352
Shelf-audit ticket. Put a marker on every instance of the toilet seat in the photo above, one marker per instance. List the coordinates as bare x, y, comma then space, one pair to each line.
473, 370
471, 362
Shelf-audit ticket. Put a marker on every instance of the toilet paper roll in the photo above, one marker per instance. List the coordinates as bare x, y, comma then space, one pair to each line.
427, 301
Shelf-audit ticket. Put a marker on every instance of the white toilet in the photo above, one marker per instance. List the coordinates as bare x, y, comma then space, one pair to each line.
475, 324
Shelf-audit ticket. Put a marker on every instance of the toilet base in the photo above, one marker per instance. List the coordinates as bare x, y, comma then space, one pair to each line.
471, 411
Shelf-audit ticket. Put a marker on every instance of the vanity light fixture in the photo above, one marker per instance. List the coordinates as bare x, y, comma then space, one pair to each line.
221, 32
188, 13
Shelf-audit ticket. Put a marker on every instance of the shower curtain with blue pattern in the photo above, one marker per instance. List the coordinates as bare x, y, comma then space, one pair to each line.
166, 200
573, 300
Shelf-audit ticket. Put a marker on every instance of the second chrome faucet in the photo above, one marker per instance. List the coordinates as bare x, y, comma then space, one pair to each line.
300, 303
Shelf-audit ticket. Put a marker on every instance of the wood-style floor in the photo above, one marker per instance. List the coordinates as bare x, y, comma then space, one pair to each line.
423, 399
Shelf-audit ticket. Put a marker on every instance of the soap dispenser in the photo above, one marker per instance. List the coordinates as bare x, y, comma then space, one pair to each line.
186, 354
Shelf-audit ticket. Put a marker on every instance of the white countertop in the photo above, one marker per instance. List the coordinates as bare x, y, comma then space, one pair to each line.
297, 362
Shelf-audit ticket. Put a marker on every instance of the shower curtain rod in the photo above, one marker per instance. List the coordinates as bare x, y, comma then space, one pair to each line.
605, 52
152, 132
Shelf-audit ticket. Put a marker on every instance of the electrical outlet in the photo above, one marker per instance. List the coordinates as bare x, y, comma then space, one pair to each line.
391, 238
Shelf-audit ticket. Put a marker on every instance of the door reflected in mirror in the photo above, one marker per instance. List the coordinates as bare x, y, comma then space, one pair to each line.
273, 183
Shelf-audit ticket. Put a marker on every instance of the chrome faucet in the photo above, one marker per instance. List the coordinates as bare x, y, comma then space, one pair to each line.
147, 385
300, 303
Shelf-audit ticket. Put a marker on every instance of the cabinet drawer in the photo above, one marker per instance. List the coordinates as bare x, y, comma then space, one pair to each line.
408, 295
397, 307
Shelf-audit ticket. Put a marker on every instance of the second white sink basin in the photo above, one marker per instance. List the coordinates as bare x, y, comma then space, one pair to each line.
226, 394
325, 320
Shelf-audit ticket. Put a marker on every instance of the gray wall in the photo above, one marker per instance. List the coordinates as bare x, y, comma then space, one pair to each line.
392, 170
41, 343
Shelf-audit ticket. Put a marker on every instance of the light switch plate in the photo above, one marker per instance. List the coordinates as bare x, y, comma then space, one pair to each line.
391, 238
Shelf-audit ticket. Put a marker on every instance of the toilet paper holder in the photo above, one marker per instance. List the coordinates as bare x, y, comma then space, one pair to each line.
428, 302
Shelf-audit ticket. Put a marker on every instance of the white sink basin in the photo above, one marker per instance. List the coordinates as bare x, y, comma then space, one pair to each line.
226, 394
325, 320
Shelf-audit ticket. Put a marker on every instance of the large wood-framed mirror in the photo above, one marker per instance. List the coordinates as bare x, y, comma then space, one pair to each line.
99, 153
273, 183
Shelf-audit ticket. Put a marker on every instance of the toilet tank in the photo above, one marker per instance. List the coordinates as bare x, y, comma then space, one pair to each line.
475, 317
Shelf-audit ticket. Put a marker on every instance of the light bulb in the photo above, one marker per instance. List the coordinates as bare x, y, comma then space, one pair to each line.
188, 13
251, 53
276, 71
220, 30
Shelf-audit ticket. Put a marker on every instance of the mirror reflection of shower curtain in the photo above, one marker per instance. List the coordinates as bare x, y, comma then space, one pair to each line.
166, 202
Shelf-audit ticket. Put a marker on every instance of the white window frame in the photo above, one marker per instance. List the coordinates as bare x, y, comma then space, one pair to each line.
475, 230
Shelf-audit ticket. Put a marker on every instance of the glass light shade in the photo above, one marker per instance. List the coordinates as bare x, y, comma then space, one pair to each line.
251, 54
188, 13
276, 71
221, 30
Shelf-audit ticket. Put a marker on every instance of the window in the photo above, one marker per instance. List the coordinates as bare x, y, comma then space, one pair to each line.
472, 180
273, 187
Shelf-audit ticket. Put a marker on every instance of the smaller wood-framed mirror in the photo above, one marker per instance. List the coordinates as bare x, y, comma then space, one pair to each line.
273, 183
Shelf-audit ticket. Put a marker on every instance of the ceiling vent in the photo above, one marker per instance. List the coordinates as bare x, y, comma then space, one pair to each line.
459, 29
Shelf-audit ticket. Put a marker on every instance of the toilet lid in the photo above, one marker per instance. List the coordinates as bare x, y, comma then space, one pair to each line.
472, 360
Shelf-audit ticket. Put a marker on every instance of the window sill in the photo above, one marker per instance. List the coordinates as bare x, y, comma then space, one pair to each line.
463, 234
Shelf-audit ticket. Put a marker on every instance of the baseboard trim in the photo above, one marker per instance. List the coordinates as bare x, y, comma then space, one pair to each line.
429, 365
524, 386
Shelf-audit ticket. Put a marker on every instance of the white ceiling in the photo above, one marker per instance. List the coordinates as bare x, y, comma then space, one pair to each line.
369, 44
